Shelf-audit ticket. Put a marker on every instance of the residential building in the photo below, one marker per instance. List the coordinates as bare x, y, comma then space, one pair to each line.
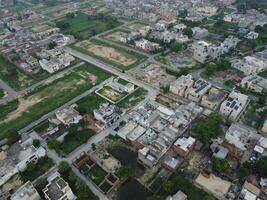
16, 158
106, 114
254, 83
26, 192
249, 65
69, 115
250, 191
242, 136
58, 189
147, 45
181, 85
264, 126
183, 146
118, 86
146, 158
213, 98
199, 89
234, 105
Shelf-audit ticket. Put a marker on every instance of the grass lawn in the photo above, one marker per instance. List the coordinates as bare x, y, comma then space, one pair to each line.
5, 109
89, 103
51, 96
97, 174
73, 140
83, 26
118, 57
133, 99
33, 171
181, 183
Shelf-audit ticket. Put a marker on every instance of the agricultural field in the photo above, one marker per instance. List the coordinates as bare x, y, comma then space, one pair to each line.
83, 26
115, 56
49, 97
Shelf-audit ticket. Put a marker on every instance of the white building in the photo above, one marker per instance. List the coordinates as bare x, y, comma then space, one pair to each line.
179, 86
147, 45
69, 116
254, 83
26, 192
241, 136
58, 189
106, 114
178, 196
249, 65
234, 105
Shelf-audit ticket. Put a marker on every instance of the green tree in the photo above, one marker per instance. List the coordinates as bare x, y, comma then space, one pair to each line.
209, 128
124, 172
82, 189
52, 45
36, 143
176, 46
261, 166
221, 165
64, 168
188, 31
154, 197
53, 144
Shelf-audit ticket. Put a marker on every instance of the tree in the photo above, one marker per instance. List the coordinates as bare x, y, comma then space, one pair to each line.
188, 31
52, 45
53, 144
209, 128
168, 187
176, 46
64, 168
36, 143
82, 188
221, 165
261, 166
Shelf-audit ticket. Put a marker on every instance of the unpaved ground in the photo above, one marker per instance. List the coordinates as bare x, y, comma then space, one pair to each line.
109, 53
48, 92
115, 36
90, 76
136, 26
40, 28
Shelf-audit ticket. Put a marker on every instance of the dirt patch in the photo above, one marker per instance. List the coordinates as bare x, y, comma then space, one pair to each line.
106, 52
136, 26
90, 76
115, 36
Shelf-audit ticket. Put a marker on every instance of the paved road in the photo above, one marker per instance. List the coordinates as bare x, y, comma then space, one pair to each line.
110, 69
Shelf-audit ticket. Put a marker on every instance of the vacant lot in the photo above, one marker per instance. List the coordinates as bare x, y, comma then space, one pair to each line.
136, 26
115, 36
40, 28
51, 96
12, 75
117, 57
83, 26
111, 94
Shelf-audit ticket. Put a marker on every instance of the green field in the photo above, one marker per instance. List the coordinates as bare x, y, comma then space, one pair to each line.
83, 26
2, 93
49, 97
133, 98
118, 57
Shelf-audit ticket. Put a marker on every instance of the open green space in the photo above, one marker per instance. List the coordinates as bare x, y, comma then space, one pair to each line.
12, 75
73, 139
51, 96
83, 26
179, 182
133, 98
96, 173
118, 57
34, 170
89, 103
